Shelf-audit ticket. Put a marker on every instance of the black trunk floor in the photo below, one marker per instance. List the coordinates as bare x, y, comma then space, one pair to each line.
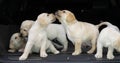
59, 58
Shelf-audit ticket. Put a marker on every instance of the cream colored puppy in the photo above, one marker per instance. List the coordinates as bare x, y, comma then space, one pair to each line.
37, 38
17, 43
53, 31
25, 27
78, 32
109, 37
57, 31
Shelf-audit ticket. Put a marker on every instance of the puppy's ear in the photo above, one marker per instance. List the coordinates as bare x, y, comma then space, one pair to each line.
70, 18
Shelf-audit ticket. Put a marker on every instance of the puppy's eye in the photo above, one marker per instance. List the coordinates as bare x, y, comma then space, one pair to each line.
16, 37
63, 11
24, 30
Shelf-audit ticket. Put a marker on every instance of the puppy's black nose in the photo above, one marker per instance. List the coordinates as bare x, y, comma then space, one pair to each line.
56, 13
20, 35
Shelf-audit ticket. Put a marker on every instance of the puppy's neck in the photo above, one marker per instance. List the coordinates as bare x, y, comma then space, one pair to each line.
41, 27
70, 23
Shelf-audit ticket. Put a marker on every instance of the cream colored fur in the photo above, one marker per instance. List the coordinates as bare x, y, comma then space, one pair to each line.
109, 37
37, 38
54, 31
77, 31
17, 43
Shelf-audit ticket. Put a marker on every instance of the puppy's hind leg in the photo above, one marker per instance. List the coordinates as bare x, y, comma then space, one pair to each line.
93, 42
52, 48
99, 53
64, 42
110, 53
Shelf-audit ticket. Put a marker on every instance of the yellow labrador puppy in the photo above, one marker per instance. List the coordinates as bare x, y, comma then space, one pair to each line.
25, 27
17, 43
54, 31
78, 31
109, 37
37, 38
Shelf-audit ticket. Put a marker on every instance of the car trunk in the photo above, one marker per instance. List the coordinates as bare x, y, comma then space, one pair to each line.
13, 12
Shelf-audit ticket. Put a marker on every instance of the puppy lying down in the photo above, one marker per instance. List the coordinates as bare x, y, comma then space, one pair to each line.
37, 38
17, 43
109, 37
54, 31
77, 31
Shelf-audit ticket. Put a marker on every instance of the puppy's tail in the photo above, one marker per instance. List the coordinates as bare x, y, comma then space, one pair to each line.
104, 23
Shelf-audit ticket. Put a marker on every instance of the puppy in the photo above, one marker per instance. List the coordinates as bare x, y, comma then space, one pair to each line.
109, 37
53, 31
57, 31
78, 32
37, 38
25, 27
17, 43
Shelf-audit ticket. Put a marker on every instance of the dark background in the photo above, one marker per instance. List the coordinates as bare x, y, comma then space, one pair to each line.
15, 11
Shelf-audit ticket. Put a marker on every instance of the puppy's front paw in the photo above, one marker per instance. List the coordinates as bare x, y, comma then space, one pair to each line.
90, 51
21, 50
43, 55
56, 52
76, 53
22, 57
98, 55
10, 50
110, 57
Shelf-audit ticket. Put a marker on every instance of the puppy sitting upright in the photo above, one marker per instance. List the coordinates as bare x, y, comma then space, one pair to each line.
54, 31
37, 38
109, 37
77, 31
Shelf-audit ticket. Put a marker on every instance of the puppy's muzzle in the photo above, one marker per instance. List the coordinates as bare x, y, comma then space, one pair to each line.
57, 13
54, 18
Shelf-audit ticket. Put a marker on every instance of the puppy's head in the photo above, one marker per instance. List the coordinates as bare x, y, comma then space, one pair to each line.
15, 40
65, 16
25, 27
44, 19
24, 32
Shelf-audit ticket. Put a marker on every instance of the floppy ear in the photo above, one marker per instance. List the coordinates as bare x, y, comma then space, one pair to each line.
70, 18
